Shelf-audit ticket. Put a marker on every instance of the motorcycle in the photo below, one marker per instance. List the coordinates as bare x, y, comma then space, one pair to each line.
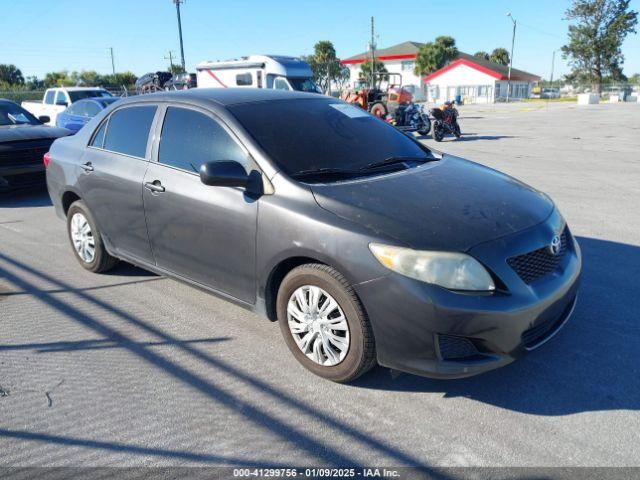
410, 117
445, 122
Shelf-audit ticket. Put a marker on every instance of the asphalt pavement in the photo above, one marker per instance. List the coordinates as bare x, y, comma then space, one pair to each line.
129, 368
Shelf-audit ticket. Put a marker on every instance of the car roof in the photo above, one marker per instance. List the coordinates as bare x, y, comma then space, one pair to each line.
77, 89
222, 96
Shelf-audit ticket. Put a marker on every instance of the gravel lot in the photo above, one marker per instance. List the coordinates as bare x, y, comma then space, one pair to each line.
134, 369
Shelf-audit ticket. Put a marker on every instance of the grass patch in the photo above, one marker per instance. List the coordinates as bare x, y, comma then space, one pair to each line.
552, 100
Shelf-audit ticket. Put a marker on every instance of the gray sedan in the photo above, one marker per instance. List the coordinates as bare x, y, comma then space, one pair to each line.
362, 243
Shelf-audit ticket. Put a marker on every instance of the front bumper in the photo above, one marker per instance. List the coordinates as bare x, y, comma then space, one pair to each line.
22, 176
417, 325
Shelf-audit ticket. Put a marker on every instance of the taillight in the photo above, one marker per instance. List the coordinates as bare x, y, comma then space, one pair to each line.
45, 159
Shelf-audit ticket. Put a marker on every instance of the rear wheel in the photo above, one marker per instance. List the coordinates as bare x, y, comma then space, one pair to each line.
86, 240
324, 324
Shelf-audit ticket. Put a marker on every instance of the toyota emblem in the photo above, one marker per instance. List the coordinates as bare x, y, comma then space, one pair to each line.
555, 245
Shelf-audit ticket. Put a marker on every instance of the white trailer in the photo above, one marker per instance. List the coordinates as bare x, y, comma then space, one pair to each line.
258, 71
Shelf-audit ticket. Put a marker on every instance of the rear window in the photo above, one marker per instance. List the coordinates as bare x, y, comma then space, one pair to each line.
128, 130
322, 133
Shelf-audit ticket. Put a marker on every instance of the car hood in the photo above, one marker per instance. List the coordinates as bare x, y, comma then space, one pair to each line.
11, 133
450, 204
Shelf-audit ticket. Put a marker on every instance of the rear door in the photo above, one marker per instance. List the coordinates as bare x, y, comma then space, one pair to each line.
113, 168
203, 233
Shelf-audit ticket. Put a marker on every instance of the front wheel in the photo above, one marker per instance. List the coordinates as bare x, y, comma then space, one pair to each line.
426, 125
324, 324
86, 240
438, 132
379, 110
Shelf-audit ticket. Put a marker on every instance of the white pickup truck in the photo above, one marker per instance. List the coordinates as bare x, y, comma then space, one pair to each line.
56, 100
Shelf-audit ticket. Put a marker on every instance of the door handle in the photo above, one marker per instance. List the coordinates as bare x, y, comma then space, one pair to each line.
154, 187
87, 167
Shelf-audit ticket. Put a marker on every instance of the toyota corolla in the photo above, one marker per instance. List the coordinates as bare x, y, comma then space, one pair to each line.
366, 246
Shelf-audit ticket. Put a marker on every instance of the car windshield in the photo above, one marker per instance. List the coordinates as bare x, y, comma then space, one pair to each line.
324, 135
80, 94
304, 85
12, 114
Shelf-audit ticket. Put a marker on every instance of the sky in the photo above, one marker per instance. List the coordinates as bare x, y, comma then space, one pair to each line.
40, 36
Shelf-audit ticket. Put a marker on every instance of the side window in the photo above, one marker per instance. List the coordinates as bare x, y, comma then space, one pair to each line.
190, 138
244, 79
129, 130
91, 109
61, 98
280, 84
98, 138
48, 99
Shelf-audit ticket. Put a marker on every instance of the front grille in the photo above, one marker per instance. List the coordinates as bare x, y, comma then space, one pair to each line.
26, 152
543, 330
456, 348
534, 265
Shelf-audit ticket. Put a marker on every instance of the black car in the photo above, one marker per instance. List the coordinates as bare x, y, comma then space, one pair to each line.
24, 140
365, 245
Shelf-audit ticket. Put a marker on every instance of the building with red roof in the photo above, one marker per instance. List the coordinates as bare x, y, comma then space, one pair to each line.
474, 80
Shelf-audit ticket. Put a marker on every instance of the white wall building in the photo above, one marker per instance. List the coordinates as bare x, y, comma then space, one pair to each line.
474, 80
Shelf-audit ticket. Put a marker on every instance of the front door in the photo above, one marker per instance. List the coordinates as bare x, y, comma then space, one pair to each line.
113, 168
203, 233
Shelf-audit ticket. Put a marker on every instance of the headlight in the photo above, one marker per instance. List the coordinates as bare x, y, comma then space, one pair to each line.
455, 271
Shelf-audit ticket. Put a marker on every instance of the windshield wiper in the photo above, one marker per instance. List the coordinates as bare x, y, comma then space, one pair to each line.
395, 161
325, 171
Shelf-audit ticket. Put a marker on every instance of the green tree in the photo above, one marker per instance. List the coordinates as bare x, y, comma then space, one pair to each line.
378, 67
481, 54
501, 56
11, 75
326, 66
635, 79
58, 79
596, 35
435, 55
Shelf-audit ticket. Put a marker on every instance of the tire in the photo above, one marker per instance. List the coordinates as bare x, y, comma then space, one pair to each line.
378, 110
456, 131
438, 132
427, 125
100, 261
359, 355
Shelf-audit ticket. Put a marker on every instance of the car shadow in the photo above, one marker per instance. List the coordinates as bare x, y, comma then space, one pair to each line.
35, 197
591, 365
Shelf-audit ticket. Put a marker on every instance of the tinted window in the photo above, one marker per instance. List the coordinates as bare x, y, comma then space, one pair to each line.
80, 94
98, 138
129, 130
310, 134
12, 114
244, 79
48, 99
190, 138
61, 97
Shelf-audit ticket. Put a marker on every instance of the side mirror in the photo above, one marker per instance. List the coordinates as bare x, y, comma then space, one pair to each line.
224, 173
44, 118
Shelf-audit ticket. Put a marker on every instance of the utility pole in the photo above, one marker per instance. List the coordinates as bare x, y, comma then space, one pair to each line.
553, 63
373, 56
178, 2
113, 65
513, 41
170, 58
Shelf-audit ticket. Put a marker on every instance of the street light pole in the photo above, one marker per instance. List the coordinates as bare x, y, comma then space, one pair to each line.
178, 2
513, 41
